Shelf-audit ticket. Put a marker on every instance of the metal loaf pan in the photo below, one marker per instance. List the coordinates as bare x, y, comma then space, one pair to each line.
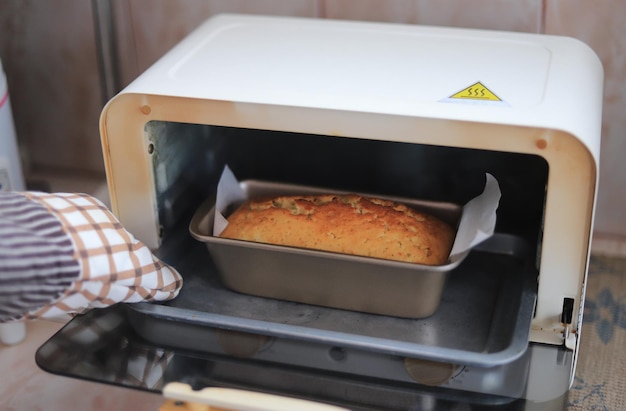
334, 280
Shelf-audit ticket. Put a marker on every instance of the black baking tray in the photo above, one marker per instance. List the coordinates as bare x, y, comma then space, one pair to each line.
483, 319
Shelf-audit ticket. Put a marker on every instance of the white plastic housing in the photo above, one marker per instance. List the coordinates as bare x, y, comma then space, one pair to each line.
539, 94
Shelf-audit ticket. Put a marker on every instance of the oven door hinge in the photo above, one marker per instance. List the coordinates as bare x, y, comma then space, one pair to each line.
569, 337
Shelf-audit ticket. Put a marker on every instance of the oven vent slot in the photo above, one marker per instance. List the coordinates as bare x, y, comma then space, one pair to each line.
568, 311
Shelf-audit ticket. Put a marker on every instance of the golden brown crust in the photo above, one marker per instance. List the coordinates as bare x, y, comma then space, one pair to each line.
348, 224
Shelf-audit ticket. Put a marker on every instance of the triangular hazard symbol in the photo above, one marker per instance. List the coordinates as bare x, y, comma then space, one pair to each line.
476, 91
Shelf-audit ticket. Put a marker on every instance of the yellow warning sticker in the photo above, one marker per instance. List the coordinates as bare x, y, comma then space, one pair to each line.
476, 91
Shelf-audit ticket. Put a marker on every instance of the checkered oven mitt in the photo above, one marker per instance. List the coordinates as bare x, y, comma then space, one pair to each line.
66, 253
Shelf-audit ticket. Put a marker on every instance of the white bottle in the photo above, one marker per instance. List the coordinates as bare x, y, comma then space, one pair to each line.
11, 175
11, 179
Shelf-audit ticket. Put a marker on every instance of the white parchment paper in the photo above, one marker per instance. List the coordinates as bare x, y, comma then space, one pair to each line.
478, 220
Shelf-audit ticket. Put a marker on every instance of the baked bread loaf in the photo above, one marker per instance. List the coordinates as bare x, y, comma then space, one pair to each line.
349, 224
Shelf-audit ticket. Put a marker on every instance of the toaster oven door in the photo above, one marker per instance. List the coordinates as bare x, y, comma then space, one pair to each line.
102, 346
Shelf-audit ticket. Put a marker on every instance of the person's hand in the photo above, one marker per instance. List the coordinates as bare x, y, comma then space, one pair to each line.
66, 253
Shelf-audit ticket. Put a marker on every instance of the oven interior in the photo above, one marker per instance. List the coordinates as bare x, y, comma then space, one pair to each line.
484, 317
188, 159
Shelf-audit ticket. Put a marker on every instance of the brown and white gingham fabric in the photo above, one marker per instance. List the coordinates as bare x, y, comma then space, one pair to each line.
114, 266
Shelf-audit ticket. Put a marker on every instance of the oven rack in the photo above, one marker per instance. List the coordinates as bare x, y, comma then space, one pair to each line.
483, 320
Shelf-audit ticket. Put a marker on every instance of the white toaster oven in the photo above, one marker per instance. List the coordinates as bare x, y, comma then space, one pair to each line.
396, 110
